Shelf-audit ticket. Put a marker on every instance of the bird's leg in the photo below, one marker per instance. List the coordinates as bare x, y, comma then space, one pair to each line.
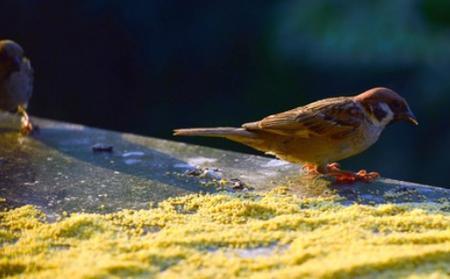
333, 167
348, 177
26, 127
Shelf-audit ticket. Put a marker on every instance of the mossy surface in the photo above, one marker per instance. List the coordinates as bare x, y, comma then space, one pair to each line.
272, 235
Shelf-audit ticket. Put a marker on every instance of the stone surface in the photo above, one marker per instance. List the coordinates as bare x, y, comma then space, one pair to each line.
67, 167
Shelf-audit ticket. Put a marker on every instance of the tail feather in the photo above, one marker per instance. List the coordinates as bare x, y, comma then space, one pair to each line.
241, 135
225, 132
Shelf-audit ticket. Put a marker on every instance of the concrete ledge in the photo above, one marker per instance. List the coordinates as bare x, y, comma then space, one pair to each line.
58, 170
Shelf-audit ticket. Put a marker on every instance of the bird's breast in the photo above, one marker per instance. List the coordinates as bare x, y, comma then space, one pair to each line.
19, 86
365, 137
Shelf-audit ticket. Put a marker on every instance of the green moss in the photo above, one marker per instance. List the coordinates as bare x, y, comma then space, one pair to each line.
230, 235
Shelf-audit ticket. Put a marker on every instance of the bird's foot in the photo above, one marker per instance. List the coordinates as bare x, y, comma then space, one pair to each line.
311, 169
348, 177
26, 127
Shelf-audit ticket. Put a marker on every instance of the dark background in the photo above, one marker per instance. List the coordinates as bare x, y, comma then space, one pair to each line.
147, 67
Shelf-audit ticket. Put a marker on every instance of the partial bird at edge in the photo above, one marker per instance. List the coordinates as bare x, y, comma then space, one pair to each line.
16, 82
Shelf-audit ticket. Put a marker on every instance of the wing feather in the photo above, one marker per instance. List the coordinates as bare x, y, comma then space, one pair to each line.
333, 117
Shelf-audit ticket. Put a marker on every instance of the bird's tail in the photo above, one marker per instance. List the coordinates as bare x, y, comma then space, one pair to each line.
223, 132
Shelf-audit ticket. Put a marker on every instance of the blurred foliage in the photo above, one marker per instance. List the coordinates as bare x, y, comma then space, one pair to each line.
378, 33
150, 66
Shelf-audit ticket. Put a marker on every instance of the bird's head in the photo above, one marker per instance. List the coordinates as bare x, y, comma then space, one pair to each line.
385, 106
11, 55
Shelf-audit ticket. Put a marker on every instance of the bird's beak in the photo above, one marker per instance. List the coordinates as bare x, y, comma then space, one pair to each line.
408, 117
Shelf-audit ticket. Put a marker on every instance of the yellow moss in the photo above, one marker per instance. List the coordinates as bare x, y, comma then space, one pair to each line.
273, 235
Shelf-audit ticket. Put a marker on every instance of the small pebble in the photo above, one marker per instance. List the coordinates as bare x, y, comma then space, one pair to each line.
99, 147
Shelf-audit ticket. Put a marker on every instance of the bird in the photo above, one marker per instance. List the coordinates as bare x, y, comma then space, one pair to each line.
16, 82
321, 133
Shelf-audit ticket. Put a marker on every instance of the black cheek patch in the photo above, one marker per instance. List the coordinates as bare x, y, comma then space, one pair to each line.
379, 113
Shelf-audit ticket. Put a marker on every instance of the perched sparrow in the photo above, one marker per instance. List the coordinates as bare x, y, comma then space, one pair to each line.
322, 132
16, 81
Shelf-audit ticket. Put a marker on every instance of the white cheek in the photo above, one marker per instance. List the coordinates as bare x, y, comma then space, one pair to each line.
380, 124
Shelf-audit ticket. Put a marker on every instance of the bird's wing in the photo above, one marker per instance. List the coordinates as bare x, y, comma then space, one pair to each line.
333, 117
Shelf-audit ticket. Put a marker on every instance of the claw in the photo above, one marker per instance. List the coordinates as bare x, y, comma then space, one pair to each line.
367, 177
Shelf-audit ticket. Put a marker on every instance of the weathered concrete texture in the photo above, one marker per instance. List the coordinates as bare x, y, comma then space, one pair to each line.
57, 169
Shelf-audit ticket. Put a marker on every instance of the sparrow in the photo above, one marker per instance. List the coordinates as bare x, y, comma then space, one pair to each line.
16, 82
323, 132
